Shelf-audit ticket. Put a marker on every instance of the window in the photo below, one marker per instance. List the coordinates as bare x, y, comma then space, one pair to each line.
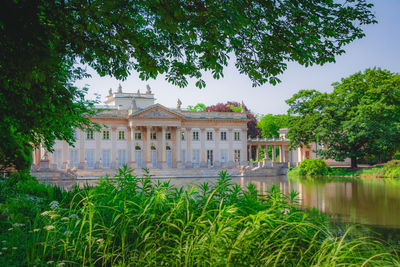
74, 158
106, 159
106, 135
89, 135
237, 136
121, 135
183, 135
90, 158
168, 135
224, 156
183, 156
196, 157
209, 136
138, 136
210, 157
223, 136
153, 136
121, 158
195, 136
237, 156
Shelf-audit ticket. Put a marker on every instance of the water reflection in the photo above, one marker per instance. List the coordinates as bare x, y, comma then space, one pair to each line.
375, 202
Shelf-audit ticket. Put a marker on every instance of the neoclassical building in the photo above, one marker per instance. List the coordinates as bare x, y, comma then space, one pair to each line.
143, 134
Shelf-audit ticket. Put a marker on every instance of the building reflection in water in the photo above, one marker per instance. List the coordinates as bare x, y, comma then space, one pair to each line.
374, 202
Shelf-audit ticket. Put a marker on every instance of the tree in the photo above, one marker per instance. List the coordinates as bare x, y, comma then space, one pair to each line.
232, 106
42, 42
360, 117
197, 108
270, 124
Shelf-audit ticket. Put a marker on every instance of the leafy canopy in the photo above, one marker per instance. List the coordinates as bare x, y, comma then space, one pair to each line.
360, 117
43, 40
270, 124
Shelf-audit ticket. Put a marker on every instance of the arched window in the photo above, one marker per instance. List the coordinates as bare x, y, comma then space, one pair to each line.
168, 148
138, 148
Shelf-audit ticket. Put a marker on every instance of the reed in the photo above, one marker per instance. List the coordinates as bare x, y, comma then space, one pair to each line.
131, 221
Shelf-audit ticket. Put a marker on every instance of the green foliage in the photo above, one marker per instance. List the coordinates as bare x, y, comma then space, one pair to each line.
44, 42
197, 108
313, 167
396, 156
139, 221
392, 169
360, 117
270, 124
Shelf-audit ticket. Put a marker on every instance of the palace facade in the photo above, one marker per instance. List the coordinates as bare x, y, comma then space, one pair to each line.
143, 134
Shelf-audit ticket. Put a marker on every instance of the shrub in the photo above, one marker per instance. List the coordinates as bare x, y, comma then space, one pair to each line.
392, 169
314, 167
396, 156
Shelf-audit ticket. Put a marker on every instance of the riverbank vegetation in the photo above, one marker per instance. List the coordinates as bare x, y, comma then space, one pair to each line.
318, 167
133, 221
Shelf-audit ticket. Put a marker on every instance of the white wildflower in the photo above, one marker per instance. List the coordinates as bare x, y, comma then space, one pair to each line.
50, 262
49, 227
100, 240
61, 264
54, 204
10, 229
45, 213
36, 230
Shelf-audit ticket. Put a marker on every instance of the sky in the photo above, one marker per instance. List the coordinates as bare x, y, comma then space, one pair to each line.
379, 48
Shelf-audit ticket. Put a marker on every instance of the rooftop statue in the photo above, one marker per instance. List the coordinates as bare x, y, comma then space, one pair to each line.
110, 92
133, 104
148, 90
119, 89
179, 104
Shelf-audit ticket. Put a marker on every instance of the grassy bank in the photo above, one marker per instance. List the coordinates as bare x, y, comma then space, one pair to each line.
135, 222
316, 167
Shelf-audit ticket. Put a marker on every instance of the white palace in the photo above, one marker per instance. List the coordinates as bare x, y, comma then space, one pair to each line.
143, 134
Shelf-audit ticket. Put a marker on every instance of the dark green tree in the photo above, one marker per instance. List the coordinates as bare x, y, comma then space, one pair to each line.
361, 117
43, 40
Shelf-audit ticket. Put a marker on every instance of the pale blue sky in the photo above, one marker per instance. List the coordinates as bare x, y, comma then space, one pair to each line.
380, 47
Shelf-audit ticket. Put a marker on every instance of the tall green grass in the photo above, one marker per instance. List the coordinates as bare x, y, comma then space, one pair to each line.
131, 221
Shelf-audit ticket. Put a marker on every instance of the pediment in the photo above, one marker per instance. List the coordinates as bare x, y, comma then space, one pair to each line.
158, 112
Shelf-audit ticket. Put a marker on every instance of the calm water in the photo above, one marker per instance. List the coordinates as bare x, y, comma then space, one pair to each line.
371, 202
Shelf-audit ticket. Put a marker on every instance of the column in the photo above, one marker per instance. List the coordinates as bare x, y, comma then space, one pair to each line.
203, 162
163, 149
273, 153
283, 153
217, 151
98, 137
132, 147
280, 154
148, 146
258, 155
243, 153
230, 150
188, 160
113, 136
178, 147
81, 136
265, 160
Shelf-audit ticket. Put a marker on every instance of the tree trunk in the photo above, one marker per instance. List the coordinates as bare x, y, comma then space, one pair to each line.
353, 162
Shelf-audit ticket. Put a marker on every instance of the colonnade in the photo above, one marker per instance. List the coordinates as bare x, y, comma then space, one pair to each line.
280, 146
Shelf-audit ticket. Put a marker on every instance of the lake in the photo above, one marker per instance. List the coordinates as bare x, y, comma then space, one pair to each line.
368, 202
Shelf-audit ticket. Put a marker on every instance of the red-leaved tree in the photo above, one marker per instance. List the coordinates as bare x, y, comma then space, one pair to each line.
252, 130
